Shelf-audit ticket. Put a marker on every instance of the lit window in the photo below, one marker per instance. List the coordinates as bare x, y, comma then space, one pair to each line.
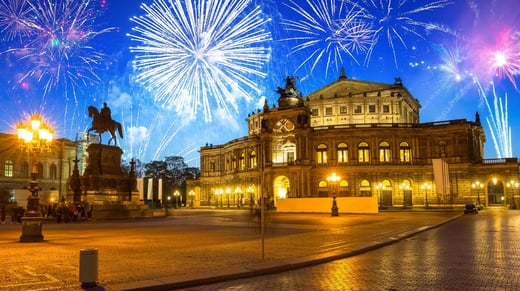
343, 110
242, 161
384, 152
404, 152
328, 111
252, 159
342, 153
363, 153
9, 168
321, 154
358, 109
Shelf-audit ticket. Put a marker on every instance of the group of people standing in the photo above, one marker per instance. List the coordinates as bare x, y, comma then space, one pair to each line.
61, 212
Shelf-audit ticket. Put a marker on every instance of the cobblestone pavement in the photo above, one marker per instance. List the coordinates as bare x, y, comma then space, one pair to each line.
475, 252
195, 247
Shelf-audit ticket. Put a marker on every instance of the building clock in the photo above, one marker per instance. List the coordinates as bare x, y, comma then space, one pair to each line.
284, 125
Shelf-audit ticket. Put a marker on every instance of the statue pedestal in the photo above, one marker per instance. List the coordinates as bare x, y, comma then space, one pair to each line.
111, 194
32, 229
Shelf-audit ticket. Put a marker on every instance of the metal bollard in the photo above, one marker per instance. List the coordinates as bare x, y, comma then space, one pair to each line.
88, 267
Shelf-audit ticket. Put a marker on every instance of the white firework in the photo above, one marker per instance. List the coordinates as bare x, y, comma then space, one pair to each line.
326, 30
498, 122
193, 54
394, 20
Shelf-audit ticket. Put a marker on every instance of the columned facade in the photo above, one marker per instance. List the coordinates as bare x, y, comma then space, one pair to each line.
367, 133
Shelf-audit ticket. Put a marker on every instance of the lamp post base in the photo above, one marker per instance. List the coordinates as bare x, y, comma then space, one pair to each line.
334, 209
32, 229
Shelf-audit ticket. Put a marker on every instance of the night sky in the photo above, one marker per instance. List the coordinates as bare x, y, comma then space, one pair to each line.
180, 74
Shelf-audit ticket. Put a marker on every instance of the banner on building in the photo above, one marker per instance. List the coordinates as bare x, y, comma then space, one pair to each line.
149, 195
442, 176
140, 188
159, 189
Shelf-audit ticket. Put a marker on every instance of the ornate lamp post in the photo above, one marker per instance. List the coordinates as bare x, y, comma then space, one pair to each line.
513, 185
36, 137
333, 180
192, 195
426, 187
477, 185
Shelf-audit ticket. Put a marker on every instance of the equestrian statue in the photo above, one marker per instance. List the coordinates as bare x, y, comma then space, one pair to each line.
102, 121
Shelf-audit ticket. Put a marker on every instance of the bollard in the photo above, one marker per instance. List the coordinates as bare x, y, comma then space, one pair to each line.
88, 267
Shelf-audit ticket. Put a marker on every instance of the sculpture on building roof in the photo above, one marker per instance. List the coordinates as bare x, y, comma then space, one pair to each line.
102, 121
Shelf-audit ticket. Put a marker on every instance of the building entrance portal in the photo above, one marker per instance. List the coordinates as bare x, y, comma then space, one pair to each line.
281, 187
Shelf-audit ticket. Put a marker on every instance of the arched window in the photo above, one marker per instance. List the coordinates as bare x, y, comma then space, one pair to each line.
53, 172
252, 160
321, 152
364, 188
342, 153
363, 152
8, 168
384, 152
404, 152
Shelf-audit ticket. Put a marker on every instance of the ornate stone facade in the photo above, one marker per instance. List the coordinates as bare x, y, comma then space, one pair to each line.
367, 133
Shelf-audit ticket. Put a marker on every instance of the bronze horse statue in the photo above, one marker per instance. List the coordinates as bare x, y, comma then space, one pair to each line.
100, 125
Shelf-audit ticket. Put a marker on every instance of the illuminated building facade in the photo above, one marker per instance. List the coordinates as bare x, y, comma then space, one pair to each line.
367, 133
54, 168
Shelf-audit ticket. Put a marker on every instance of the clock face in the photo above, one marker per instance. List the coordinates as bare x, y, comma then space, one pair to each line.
284, 125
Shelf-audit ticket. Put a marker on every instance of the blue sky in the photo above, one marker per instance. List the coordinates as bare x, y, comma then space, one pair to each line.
456, 57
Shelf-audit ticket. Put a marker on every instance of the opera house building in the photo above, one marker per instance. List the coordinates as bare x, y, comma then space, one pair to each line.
354, 140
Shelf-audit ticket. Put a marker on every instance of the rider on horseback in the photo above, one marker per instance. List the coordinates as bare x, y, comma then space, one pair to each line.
105, 114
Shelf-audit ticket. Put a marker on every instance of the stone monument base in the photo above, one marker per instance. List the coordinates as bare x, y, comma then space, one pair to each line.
32, 229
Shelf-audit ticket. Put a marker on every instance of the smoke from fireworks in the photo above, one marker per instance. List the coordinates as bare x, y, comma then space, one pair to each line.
193, 51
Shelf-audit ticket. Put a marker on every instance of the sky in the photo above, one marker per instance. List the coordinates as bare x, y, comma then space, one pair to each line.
181, 74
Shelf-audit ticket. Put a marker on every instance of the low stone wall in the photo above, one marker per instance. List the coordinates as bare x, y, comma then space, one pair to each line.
324, 205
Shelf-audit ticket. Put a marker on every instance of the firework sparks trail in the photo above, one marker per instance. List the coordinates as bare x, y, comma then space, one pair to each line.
51, 42
191, 51
392, 20
14, 19
498, 122
328, 29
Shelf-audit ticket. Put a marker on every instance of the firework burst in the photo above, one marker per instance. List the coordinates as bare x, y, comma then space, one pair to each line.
193, 51
14, 19
326, 31
498, 122
393, 21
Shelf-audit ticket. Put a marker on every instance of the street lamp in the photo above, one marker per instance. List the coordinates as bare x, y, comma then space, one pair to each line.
35, 137
192, 194
513, 185
426, 187
176, 195
477, 185
333, 180
218, 193
228, 192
